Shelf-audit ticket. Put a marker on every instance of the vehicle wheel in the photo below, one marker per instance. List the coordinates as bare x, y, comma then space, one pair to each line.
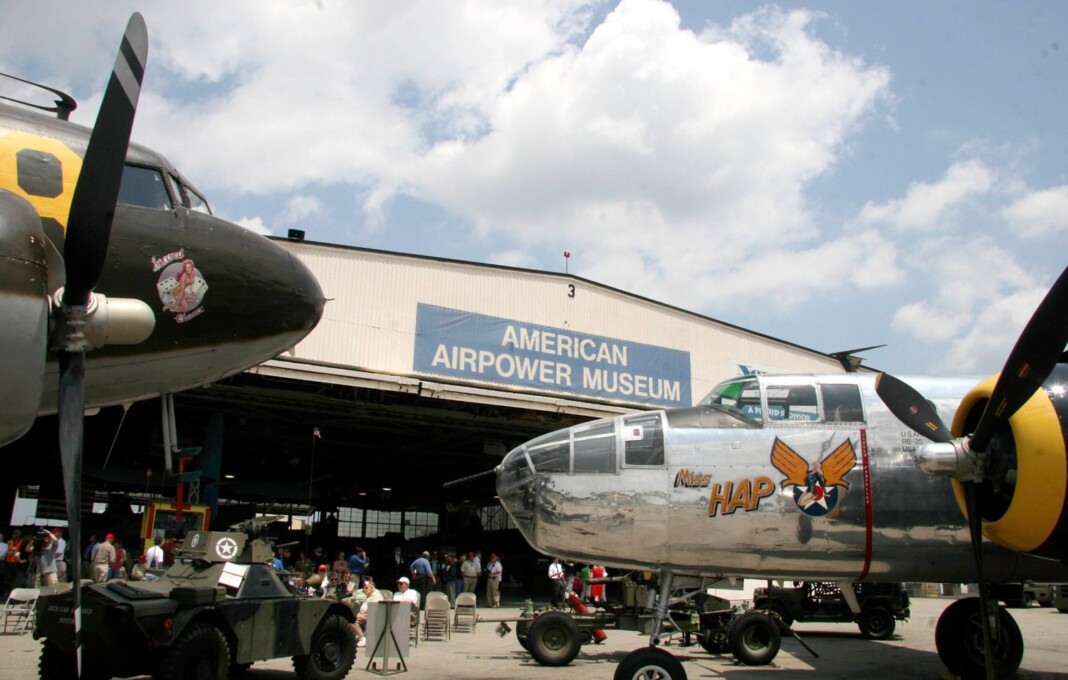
199, 653
754, 638
522, 633
554, 639
649, 663
1028, 600
333, 651
876, 622
959, 640
713, 636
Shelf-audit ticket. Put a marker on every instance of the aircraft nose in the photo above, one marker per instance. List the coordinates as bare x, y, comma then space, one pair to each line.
515, 488
307, 300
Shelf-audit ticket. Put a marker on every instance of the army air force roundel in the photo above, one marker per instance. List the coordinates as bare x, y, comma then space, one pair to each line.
818, 487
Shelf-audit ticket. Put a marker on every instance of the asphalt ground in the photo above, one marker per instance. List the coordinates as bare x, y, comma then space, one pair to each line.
843, 653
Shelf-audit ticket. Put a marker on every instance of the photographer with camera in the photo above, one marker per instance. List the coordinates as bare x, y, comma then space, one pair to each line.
44, 553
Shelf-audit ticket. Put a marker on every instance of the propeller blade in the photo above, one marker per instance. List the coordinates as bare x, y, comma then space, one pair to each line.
86, 243
1029, 364
911, 408
93, 204
975, 530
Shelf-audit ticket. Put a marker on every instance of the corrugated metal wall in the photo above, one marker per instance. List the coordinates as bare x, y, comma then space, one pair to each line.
370, 319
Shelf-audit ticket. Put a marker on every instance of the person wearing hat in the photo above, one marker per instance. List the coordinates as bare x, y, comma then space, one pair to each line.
493, 581
103, 557
405, 594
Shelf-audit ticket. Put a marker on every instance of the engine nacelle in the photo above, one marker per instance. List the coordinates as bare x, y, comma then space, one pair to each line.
1025, 508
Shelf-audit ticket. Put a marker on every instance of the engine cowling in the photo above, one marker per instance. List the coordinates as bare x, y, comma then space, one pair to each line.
1025, 496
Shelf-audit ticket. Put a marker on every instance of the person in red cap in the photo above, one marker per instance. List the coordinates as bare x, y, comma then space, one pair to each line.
103, 557
493, 581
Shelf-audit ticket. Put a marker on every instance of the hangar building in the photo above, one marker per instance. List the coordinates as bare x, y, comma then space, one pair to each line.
421, 371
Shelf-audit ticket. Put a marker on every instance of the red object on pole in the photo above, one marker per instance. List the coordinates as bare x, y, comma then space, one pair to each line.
577, 604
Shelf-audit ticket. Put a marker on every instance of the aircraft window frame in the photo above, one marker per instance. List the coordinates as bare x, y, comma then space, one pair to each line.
841, 403
730, 397
190, 198
644, 447
594, 449
140, 192
799, 402
551, 453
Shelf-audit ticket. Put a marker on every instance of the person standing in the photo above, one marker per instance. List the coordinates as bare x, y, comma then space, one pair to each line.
423, 575
45, 557
358, 563
398, 566
556, 578
450, 574
469, 570
494, 570
103, 558
597, 591
61, 555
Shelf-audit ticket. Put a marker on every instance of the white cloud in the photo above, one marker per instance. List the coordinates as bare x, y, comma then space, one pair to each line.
1039, 213
254, 224
928, 206
300, 208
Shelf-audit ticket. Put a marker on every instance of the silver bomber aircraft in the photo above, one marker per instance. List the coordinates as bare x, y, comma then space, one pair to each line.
814, 478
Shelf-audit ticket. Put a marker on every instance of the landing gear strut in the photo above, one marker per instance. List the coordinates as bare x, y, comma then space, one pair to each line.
653, 663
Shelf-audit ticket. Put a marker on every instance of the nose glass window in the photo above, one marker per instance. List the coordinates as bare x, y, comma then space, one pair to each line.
551, 453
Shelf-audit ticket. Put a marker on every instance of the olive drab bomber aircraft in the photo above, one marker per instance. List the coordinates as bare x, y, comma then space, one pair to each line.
117, 283
849, 477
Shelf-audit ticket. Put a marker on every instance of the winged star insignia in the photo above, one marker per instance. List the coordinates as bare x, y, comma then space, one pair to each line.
817, 487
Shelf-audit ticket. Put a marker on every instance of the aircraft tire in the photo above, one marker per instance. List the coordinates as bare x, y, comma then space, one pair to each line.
755, 638
959, 640
333, 651
200, 652
649, 662
876, 622
554, 639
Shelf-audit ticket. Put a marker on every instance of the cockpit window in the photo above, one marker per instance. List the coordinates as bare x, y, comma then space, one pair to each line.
189, 196
595, 448
643, 439
792, 402
144, 187
841, 404
740, 398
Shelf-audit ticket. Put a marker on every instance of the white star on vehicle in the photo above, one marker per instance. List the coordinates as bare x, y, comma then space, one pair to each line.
227, 548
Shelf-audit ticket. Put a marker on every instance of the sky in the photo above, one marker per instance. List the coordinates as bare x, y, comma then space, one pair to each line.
834, 174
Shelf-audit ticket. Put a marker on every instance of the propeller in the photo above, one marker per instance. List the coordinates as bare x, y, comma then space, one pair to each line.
1038, 349
86, 243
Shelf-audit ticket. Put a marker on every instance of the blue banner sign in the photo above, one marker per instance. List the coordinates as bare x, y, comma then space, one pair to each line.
458, 344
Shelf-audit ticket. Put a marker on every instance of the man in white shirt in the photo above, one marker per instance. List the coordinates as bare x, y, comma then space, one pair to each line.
404, 593
373, 595
556, 576
154, 555
494, 570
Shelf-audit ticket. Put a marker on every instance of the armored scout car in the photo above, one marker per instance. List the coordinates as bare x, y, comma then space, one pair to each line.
220, 608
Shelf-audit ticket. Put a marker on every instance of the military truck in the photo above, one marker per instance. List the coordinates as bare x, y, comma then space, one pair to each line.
881, 604
219, 609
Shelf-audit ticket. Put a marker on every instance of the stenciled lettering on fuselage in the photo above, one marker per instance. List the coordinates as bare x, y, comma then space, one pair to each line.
181, 286
817, 487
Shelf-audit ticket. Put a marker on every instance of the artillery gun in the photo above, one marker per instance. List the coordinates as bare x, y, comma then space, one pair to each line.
220, 608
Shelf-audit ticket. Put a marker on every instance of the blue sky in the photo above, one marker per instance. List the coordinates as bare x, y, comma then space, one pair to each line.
835, 174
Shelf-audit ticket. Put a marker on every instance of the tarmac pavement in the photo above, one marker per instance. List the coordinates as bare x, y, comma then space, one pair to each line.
843, 653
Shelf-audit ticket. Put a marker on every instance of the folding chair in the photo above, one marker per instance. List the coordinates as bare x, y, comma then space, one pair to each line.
19, 612
464, 619
436, 617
